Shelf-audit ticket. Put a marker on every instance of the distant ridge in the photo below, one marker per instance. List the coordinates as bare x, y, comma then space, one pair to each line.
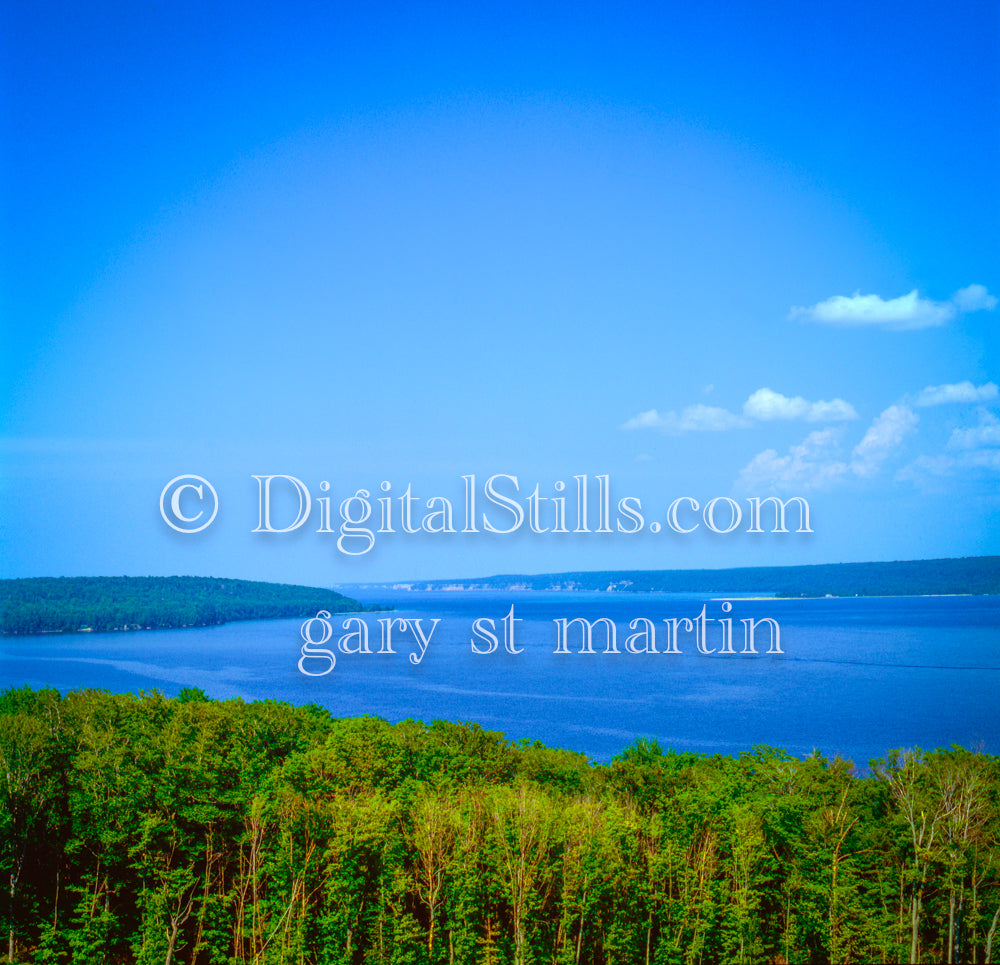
963, 575
69, 604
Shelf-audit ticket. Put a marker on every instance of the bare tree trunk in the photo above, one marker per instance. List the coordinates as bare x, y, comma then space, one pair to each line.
951, 927
915, 903
991, 933
10, 934
182, 914
172, 940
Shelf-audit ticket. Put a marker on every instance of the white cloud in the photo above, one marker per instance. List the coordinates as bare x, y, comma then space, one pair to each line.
924, 466
983, 459
975, 298
810, 465
694, 418
933, 469
899, 314
647, 420
766, 405
956, 392
711, 417
984, 436
883, 437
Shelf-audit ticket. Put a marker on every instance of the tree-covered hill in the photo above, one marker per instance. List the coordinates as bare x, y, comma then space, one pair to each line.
154, 830
68, 604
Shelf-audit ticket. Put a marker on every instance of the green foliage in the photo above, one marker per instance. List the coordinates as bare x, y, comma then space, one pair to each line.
142, 829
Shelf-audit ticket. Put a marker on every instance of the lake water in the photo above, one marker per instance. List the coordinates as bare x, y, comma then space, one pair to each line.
856, 677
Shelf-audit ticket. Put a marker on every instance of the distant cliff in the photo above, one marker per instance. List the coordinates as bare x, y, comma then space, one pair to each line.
972, 574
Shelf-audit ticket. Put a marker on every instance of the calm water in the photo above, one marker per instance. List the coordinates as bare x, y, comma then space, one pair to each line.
857, 677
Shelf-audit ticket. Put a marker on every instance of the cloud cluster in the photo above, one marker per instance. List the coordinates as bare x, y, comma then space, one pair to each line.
956, 392
817, 462
813, 464
764, 405
968, 449
899, 314
820, 461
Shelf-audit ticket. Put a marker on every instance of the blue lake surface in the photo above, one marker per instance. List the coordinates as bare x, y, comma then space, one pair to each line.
857, 677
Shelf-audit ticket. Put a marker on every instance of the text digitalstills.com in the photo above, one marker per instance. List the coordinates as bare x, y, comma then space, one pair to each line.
499, 505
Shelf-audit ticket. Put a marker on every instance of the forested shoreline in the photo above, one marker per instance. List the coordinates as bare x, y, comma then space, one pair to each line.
73, 604
147, 829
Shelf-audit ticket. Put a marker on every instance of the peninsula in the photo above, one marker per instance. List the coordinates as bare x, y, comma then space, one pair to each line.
71, 604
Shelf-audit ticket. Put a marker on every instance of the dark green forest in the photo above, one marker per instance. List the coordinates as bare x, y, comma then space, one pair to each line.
969, 574
69, 604
153, 830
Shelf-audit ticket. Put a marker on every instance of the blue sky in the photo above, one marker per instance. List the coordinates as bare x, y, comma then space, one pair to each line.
712, 250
